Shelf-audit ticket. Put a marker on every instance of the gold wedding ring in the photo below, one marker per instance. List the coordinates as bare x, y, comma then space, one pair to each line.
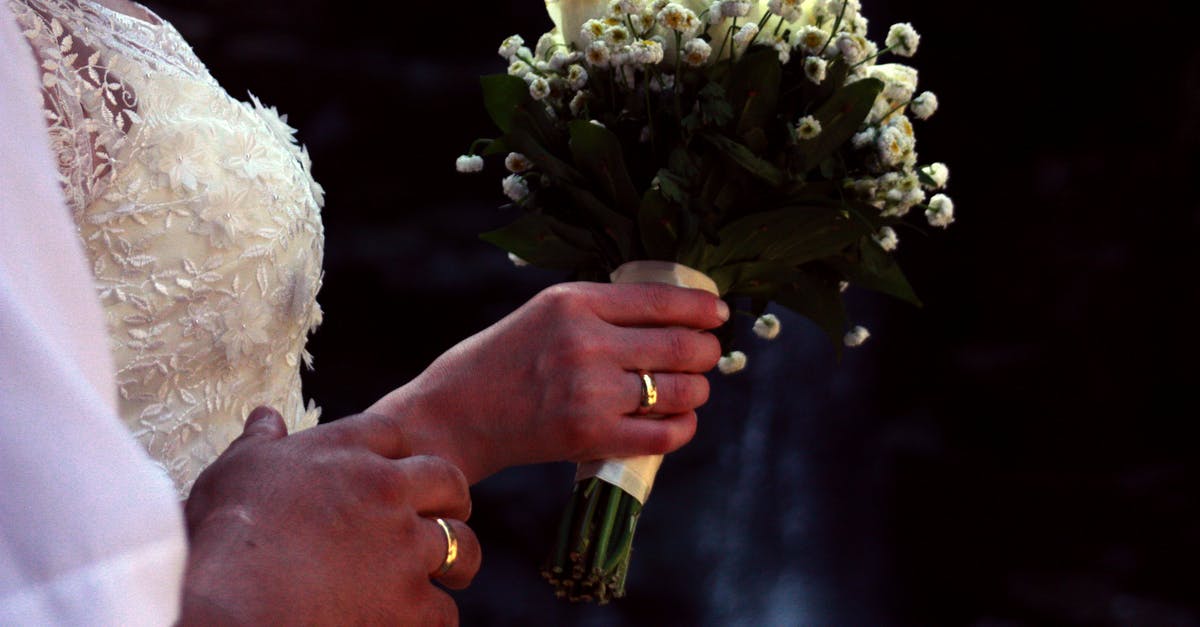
451, 547
649, 393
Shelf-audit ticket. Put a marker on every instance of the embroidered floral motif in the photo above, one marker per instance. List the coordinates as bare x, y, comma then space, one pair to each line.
202, 222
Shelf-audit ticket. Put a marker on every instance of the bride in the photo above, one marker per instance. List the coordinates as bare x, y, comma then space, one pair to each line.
201, 220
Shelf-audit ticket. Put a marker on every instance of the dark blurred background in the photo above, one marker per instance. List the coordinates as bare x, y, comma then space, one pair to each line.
1012, 454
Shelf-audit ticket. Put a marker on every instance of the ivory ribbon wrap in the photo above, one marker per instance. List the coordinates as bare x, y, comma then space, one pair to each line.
635, 475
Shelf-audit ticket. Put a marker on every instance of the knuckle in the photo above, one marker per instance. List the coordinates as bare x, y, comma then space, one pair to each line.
681, 347
658, 299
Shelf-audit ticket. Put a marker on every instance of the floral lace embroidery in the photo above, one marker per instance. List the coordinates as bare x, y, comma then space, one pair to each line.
202, 222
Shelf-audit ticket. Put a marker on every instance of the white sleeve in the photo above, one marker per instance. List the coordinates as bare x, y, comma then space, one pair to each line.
90, 530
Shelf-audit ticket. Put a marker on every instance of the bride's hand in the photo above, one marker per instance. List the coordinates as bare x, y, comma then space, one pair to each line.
557, 379
332, 525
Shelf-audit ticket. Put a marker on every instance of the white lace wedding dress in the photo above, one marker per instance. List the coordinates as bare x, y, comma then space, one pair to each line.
201, 220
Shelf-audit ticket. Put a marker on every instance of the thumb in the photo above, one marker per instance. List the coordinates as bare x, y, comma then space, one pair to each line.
263, 423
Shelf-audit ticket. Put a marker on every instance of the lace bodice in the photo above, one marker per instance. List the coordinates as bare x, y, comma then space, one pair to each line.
201, 220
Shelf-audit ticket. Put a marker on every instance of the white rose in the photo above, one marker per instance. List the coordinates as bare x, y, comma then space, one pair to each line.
569, 16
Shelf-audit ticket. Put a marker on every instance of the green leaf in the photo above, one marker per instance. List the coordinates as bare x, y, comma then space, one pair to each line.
743, 157
817, 297
754, 88
546, 162
840, 117
502, 94
876, 270
791, 236
713, 109
657, 223
597, 152
544, 242
615, 226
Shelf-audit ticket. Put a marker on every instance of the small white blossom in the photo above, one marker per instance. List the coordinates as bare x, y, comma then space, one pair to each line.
807, 127
515, 187
544, 45
843, 286
510, 46
811, 39
696, 52
539, 88
593, 30
745, 34
903, 39
852, 47
617, 36
558, 61
678, 18
814, 69
577, 76
598, 54
517, 261
767, 327
941, 211
856, 337
597, 123
732, 363
789, 10
469, 163
924, 105
784, 49
886, 238
646, 52
735, 8
519, 69
939, 173
864, 138
517, 163
579, 102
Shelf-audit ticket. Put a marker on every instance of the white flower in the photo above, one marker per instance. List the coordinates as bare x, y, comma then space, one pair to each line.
789, 10
469, 163
678, 18
939, 173
517, 163
597, 123
941, 211
617, 36
519, 69
735, 8
814, 69
545, 44
843, 286
924, 105
852, 47
579, 102
646, 52
696, 52
785, 51
864, 138
903, 39
517, 261
899, 81
811, 39
745, 34
592, 30
856, 337
247, 157
539, 88
577, 76
598, 54
510, 46
515, 187
886, 238
733, 362
807, 127
558, 61
277, 123
767, 327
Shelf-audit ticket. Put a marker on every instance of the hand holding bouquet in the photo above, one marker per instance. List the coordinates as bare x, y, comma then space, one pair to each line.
759, 148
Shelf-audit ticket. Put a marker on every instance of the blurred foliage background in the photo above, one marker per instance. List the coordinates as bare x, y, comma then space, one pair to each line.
1012, 454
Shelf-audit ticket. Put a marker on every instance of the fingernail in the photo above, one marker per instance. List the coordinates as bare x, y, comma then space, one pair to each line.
722, 310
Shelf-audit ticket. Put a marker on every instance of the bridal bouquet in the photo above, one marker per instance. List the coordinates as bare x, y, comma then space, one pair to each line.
760, 148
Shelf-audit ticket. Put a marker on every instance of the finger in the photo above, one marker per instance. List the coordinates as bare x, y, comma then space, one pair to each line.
377, 433
433, 607
438, 488
263, 424
651, 304
467, 553
677, 393
650, 436
668, 350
